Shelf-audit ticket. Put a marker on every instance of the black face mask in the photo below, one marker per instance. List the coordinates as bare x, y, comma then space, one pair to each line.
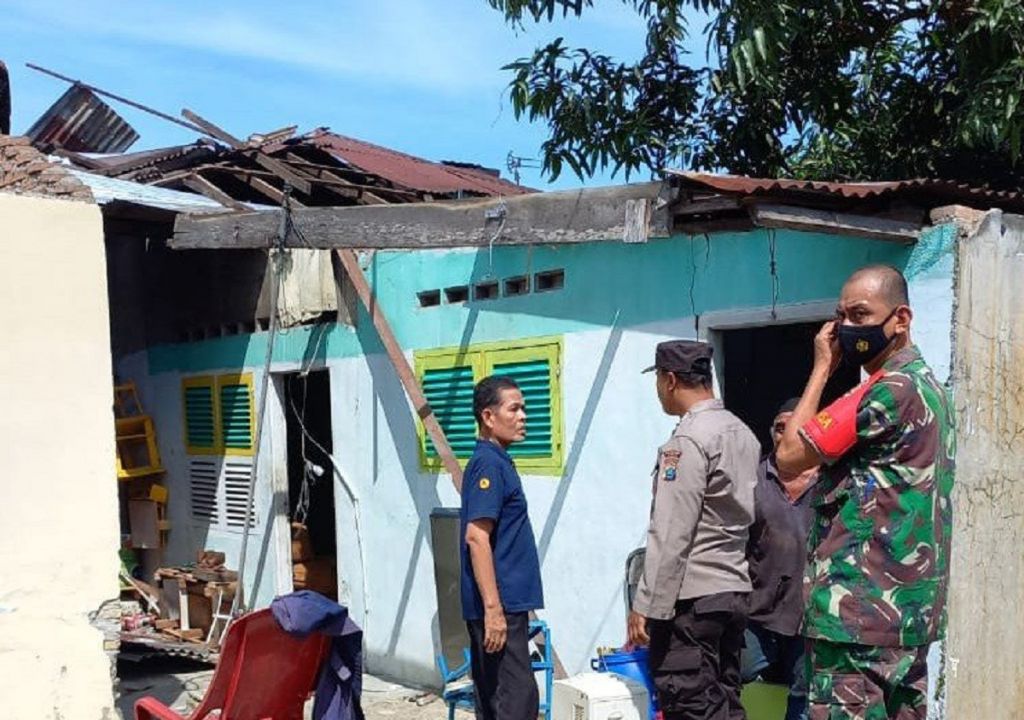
863, 343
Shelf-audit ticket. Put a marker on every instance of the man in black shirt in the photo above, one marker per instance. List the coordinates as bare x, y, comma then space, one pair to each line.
777, 553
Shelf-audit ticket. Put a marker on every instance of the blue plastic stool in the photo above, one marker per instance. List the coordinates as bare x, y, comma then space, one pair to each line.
463, 696
460, 696
545, 664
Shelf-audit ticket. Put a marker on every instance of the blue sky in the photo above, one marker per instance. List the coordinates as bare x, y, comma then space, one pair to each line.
422, 76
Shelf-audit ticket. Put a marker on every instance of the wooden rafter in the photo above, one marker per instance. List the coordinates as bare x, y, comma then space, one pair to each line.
324, 172
204, 187
290, 176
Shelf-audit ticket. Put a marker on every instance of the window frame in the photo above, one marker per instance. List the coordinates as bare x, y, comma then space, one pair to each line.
215, 383
482, 358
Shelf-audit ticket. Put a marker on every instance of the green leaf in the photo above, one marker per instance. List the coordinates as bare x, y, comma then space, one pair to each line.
762, 45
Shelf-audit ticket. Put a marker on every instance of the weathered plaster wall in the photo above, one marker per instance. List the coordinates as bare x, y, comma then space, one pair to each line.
985, 670
619, 301
58, 494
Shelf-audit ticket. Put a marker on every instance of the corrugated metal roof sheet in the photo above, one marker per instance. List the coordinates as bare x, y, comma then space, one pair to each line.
411, 172
940, 191
107, 190
125, 162
81, 122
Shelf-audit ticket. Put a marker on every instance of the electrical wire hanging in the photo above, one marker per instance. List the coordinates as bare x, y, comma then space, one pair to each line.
275, 260
693, 284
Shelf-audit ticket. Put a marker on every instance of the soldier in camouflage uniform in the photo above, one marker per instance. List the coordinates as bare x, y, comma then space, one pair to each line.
878, 570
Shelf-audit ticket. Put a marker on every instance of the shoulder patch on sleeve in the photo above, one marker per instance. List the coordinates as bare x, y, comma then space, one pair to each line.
484, 484
668, 460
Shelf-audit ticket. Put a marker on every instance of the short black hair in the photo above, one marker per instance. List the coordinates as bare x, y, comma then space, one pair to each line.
694, 380
891, 281
487, 394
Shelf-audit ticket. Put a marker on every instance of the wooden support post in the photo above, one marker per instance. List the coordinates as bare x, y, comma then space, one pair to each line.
350, 263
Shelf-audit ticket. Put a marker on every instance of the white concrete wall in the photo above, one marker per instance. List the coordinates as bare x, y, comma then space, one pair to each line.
985, 664
58, 493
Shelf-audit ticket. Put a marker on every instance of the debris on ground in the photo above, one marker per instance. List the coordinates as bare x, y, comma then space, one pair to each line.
180, 684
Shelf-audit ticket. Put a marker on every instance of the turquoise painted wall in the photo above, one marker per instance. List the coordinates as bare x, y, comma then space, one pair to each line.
604, 282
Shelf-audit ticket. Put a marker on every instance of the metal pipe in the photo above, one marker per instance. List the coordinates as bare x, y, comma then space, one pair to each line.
126, 101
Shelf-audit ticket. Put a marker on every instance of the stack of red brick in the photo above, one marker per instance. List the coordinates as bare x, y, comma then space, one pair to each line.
311, 572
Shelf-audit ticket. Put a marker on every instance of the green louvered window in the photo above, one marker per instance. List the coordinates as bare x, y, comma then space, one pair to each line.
218, 415
448, 377
200, 416
236, 420
450, 393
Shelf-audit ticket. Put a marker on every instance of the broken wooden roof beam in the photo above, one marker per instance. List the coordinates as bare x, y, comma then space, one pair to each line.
279, 168
626, 212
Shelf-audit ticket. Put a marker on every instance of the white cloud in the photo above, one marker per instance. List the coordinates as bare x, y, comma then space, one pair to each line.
446, 46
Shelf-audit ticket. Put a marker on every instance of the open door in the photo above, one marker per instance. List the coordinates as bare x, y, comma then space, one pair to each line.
307, 400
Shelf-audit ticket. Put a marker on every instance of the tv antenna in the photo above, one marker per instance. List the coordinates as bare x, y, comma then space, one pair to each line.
515, 163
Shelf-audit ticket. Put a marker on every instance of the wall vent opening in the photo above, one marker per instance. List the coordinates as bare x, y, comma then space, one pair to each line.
517, 286
549, 280
429, 298
456, 294
485, 291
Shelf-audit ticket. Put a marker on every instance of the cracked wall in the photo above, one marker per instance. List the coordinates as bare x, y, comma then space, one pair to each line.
985, 666
58, 491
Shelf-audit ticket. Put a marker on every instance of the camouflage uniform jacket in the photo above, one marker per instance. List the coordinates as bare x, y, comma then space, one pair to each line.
878, 569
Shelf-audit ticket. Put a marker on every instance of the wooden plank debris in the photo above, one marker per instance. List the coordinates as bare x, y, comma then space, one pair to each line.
275, 166
811, 220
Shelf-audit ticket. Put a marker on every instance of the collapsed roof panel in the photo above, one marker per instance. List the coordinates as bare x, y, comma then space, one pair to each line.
80, 122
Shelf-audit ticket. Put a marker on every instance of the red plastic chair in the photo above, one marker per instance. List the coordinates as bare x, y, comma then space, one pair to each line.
263, 674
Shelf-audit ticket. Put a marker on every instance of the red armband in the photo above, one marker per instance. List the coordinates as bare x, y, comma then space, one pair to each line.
833, 431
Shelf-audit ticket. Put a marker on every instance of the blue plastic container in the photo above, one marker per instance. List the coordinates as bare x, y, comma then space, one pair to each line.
632, 665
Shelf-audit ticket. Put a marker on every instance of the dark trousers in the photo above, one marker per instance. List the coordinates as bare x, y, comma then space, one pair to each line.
695, 658
504, 685
776, 658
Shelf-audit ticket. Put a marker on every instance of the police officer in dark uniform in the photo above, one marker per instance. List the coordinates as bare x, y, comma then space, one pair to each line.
691, 601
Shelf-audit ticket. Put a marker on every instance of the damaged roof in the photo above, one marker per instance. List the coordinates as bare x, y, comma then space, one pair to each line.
924, 191
80, 122
409, 171
322, 167
107, 191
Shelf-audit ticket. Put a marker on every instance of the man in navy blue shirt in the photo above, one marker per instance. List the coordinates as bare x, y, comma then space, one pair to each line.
500, 567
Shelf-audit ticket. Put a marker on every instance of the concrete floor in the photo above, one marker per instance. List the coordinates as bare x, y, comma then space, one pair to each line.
180, 685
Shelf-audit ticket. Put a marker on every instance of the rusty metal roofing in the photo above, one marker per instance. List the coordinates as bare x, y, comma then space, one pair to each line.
79, 121
124, 162
937, 191
411, 172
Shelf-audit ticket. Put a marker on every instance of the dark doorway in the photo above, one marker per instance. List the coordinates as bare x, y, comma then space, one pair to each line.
765, 366
311, 481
